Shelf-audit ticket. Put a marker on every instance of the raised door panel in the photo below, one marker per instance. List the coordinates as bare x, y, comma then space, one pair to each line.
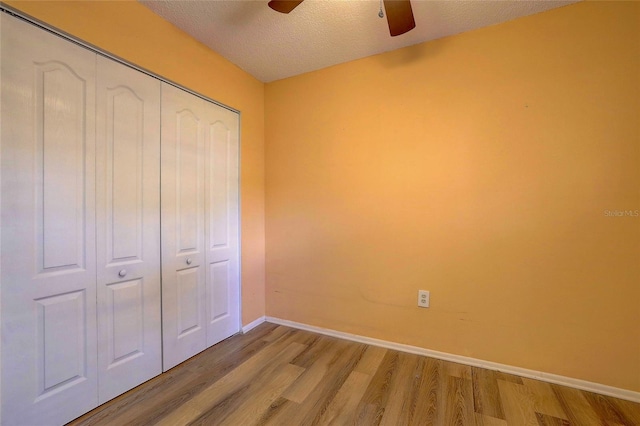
61, 340
188, 181
188, 305
128, 237
60, 156
48, 270
125, 322
223, 274
183, 228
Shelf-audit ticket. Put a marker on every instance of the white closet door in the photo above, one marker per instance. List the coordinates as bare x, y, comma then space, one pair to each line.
48, 277
128, 233
183, 229
221, 205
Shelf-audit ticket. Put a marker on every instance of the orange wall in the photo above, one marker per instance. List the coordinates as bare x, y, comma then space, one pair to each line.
131, 31
478, 167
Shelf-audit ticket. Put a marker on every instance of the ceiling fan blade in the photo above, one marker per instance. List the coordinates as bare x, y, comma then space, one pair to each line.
399, 16
284, 6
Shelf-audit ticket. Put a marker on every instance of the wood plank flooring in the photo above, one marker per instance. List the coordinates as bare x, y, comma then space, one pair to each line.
276, 375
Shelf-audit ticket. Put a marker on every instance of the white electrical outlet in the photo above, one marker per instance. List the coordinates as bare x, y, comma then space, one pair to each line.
423, 298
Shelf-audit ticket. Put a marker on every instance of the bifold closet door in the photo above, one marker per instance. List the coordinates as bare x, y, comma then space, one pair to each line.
222, 223
182, 218
200, 259
49, 359
128, 233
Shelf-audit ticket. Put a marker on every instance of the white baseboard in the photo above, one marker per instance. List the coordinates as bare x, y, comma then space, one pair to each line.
474, 362
253, 324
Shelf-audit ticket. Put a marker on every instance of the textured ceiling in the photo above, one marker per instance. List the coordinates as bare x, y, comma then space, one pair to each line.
320, 33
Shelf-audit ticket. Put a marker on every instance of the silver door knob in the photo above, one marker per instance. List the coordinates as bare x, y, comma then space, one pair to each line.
122, 273
189, 261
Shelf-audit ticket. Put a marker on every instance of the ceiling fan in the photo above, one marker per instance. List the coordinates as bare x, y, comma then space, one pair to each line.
399, 13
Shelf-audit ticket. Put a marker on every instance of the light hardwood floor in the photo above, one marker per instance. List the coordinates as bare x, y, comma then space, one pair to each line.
276, 375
